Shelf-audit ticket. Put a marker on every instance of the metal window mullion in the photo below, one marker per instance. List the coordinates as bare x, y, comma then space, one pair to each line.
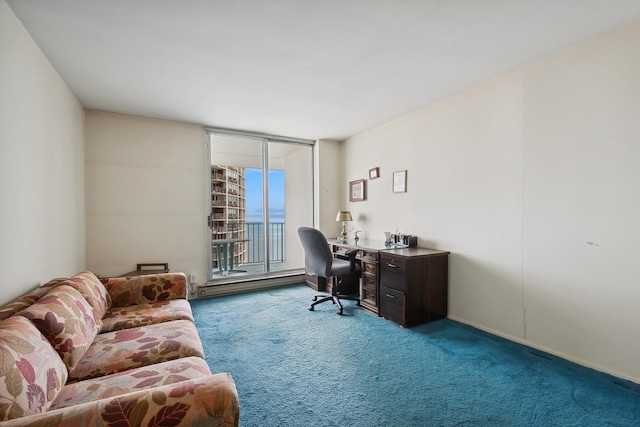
265, 203
259, 136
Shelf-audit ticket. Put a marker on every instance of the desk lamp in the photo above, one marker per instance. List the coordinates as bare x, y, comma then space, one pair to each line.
343, 216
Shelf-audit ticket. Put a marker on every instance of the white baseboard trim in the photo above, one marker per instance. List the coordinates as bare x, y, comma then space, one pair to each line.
561, 355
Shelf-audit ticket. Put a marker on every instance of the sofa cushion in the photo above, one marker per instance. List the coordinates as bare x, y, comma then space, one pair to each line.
146, 377
92, 290
146, 289
208, 401
132, 316
67, 320
117, 351
31, 372
27, 299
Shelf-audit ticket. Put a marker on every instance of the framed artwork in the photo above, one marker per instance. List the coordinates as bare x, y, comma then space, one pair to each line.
356, 190
400, 182
374, 173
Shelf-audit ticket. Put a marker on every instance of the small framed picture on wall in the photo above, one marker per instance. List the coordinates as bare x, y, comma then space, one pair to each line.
374, 173
356, 190
400, 181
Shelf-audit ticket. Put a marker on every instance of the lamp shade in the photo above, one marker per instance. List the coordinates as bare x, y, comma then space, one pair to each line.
344, 216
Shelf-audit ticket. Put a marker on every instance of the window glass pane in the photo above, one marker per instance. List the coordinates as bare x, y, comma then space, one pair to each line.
236, 197
290, 202
241, 236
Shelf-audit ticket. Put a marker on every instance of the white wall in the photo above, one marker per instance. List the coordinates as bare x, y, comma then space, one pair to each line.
42, 225
328, 174
581, 201
530, 180
146, 196
298, 200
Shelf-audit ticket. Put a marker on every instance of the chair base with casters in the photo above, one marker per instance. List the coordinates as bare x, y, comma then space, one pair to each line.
336, 295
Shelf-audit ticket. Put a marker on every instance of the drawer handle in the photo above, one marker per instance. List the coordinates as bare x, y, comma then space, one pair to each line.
392, 265
391, 296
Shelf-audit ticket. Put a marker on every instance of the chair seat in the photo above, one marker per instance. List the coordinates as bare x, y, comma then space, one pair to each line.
341, 267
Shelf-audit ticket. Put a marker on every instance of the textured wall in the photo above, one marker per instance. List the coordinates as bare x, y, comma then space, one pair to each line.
42, 224
530, 180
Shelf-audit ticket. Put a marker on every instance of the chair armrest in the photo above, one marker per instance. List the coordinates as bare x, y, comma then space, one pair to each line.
210, 401
351, 253
146, 289
351, 256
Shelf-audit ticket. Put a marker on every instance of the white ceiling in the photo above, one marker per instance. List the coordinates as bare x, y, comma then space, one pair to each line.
299, 68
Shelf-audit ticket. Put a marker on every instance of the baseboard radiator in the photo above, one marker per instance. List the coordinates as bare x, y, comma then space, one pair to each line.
216, 290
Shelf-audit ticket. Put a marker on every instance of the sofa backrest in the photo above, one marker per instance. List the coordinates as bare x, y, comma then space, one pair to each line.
146, 289
86, 282
93, 290
31, 373
27, 299
67, 321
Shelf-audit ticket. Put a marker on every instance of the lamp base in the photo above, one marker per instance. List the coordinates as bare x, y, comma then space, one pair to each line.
343, 234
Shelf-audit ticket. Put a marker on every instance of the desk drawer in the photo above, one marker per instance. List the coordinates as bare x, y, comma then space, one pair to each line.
369, 255
369, 295
393, 272
369, 268
369, 281
392, 305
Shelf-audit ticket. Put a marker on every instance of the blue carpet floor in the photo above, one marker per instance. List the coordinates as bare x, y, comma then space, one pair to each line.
295, 367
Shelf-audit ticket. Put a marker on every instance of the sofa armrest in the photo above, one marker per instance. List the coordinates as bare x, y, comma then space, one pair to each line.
146, 289
210, 401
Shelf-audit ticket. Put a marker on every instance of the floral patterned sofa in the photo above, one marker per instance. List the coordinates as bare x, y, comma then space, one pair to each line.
117, 352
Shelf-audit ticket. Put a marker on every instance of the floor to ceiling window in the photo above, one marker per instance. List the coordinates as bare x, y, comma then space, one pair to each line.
261, 192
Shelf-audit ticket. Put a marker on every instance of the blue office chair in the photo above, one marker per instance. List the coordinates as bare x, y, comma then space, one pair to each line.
319, 261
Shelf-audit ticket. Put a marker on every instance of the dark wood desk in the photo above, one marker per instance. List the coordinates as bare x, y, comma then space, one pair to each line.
368, 256
408, 285
413, 285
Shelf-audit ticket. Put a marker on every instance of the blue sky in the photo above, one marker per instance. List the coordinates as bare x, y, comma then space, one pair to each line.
254, 195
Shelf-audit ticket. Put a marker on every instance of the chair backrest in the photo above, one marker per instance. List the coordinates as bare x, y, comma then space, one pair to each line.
317, 255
